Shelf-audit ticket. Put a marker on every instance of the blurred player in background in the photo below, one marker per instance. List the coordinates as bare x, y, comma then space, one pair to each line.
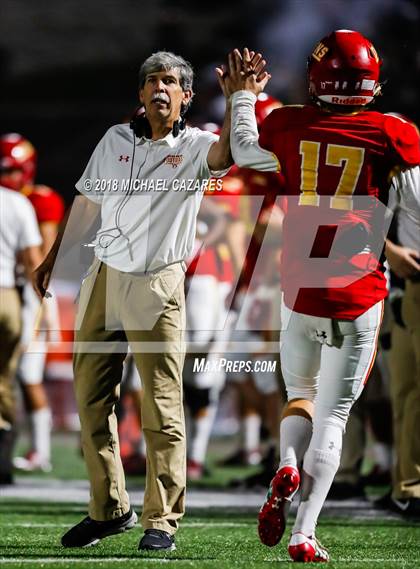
19, 237
219, 250
339, 160
255, 296
17, 171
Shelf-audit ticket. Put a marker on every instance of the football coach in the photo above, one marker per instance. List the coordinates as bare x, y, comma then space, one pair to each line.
139, 178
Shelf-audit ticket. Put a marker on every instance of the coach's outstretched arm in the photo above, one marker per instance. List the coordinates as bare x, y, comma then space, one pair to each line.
87, 214
246, 79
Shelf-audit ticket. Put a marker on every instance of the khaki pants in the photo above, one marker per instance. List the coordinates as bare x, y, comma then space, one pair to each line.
148, 312
10, 329
405, 394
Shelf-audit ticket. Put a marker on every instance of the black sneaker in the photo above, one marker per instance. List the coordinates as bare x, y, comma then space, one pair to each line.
89, 532
409, 508
412, 510
6, 478
157, 540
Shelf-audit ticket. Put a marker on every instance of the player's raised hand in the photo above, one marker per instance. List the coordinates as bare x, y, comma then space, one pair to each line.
246, 71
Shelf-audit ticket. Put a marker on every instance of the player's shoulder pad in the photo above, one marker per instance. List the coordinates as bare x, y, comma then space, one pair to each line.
44, 190
48, 204
280, 117
403, 137
41, 191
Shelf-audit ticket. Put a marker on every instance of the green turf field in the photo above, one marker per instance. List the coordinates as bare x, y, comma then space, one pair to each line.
30, 531
30, 534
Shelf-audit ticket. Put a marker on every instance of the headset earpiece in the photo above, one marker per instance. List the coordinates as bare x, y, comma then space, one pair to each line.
178, 126
141, 126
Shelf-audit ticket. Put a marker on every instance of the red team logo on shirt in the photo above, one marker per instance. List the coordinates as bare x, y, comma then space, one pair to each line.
174, 160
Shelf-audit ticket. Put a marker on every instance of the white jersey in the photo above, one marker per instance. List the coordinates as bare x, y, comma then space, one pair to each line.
18, 231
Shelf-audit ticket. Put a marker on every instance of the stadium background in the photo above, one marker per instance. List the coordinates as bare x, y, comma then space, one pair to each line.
68, 70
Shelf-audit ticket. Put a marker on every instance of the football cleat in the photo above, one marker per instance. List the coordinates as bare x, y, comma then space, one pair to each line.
273, 513
32, 462
195, 470
307, 549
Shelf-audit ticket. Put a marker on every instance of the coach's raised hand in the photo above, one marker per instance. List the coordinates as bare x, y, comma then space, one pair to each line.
246, 71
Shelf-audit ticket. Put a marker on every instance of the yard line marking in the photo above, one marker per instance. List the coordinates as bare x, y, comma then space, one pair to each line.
217, 524
34, 525
184, 525
82, 559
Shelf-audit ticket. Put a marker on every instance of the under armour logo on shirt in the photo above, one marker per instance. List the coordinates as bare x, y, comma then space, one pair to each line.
125, 158
322, 335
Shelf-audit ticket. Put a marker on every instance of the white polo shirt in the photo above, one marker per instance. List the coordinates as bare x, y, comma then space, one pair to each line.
18, 230
407, 184
149, 205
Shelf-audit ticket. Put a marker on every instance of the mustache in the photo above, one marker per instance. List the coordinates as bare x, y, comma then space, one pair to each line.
161, 98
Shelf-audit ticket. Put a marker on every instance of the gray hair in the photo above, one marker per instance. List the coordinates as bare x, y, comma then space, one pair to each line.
164, 61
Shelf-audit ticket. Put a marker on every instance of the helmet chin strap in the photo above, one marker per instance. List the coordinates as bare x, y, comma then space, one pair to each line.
378, 89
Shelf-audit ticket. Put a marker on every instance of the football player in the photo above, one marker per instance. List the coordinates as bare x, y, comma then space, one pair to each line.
255, 293
339, 159
17, 171
210, 275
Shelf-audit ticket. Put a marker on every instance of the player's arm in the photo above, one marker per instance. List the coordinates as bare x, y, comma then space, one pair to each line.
87, 214
245, 79
48, 230
30, 257
235, 240
217, 227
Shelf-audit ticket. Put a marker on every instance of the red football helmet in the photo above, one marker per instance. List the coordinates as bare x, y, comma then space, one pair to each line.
264, 105
344, 69
17, 153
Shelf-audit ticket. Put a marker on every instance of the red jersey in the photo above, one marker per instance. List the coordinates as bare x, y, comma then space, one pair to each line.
48, 204
331, 164
261, 190
216, 260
